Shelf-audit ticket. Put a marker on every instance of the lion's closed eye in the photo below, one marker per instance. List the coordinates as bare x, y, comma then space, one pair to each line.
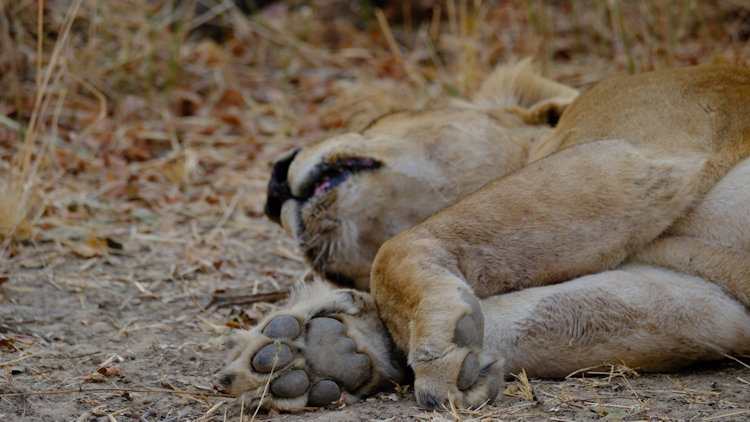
327, 175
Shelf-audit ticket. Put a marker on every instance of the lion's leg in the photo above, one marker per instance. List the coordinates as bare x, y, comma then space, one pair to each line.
580, 211
646, 317
713, 240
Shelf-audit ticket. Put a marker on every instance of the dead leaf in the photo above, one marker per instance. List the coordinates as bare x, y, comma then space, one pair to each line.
111, 371
8, 342
95, 377
93, 247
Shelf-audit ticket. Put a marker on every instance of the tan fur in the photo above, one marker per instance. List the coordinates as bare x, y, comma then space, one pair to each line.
629, 159
623, 235
430, 160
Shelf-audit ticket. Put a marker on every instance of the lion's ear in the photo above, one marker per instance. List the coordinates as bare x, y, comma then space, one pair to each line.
520, 89
545, 112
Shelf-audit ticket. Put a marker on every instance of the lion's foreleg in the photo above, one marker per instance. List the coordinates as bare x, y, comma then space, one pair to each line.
580, 211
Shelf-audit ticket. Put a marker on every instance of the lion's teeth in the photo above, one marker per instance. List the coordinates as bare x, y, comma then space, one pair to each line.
321, 188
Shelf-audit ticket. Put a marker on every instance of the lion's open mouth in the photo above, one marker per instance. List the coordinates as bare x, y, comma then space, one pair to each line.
326, 176
322, 178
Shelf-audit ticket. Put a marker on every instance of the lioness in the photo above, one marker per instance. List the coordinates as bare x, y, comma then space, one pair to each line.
494, 238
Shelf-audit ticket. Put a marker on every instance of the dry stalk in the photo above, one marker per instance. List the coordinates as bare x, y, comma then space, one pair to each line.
415, 77
21, 194
737, 360
521, 388
116, 389
277, 344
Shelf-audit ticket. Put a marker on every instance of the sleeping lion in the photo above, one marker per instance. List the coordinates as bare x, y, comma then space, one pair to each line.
532, 228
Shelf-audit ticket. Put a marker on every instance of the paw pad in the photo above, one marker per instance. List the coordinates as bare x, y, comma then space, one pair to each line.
263, 360
470, 328
469, 372
323, 393
282, 327
292, 384
313, 354
333, 355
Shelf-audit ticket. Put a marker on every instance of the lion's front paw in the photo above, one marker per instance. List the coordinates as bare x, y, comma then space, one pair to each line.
327, 346
454, 367
466, 378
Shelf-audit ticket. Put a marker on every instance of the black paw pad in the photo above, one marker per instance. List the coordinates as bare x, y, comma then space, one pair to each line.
491, 373
282, 327
292, 384
469, 372
323, 393
470, 328
263, 360
467, 332
333, 355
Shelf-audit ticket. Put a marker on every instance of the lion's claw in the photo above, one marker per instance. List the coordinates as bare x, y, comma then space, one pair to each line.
320, 348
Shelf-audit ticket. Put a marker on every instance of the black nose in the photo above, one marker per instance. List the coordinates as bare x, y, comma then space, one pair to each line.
278, 188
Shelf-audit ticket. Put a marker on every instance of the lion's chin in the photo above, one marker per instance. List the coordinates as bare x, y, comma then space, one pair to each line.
333, 255
288, 219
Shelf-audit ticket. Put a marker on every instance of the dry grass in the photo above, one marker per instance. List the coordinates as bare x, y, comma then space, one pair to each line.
118, 90
134, 154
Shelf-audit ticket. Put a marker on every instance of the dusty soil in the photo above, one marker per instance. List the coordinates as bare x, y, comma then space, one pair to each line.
155, 325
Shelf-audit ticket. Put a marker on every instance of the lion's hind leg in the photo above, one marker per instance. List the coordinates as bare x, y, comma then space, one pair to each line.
328, 345
649, 318
713, 240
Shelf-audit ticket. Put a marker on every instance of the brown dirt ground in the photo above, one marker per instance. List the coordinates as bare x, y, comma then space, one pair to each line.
161, 325
147, 239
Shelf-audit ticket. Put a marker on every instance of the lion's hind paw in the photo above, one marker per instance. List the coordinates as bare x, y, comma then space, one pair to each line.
327, 346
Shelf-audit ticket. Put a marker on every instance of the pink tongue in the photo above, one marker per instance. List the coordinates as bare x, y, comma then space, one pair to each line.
321, 188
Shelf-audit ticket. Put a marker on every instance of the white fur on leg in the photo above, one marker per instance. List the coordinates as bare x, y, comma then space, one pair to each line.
650, 318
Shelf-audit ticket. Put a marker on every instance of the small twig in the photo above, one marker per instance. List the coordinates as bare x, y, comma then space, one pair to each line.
681, 387
112, 415
737, 360
393, 46
727, 415
10, 362
213, 409
229, 299
582, 371
123, 390
277, 344
227, 213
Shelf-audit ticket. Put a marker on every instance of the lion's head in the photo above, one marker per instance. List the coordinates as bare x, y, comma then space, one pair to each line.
344, 197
